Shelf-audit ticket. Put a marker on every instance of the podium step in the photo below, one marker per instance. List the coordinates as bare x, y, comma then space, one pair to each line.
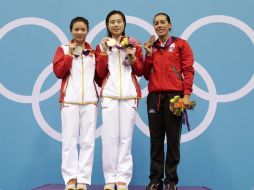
100, 187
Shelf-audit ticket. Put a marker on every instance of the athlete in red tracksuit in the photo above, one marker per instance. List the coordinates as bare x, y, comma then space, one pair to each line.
169, 70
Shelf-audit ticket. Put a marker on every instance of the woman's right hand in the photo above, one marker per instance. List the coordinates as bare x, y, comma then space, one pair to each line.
71, 48
149, 45
104, 44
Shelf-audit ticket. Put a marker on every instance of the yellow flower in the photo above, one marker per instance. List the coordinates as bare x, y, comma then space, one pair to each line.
124, 42
176, 98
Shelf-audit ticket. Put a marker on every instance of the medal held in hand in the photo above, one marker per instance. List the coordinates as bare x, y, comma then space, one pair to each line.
77, 51
111, 42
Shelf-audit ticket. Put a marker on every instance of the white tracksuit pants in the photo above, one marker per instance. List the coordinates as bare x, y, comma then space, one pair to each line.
78, 126
118, 118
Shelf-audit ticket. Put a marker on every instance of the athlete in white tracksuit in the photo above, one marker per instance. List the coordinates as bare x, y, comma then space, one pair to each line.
78, 98
120, 93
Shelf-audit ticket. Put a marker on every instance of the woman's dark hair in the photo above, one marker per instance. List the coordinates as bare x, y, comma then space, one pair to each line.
79, 19
166, 15
113, 13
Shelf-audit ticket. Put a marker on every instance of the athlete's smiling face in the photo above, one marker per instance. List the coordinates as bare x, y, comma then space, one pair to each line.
161, 25
79, 32
116, 25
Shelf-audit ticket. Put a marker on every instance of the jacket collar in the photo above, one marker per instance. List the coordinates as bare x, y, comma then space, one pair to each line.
157, 43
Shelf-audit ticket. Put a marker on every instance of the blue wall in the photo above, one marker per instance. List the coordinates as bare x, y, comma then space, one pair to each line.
217, 153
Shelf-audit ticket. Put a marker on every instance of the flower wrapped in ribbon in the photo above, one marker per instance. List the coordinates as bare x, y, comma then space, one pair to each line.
126, 42
178, 108
129, 42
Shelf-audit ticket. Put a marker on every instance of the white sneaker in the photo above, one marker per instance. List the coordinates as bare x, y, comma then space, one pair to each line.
81, 186
70, 186
109, 186
122, 187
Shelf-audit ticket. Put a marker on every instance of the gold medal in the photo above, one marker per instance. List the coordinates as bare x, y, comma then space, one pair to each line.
111, 42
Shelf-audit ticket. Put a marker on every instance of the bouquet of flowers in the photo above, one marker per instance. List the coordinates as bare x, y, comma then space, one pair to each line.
129, 42
178, 108
126, 42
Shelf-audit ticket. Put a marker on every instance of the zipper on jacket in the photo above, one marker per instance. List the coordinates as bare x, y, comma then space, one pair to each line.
161, 69
120, 68
83, 73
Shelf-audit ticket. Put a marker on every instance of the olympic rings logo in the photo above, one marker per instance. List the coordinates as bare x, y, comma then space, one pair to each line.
211, 96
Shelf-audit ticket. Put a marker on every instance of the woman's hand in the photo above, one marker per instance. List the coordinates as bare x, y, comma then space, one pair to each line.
148, 45
104, 44
131, 53
72, 46
186, 101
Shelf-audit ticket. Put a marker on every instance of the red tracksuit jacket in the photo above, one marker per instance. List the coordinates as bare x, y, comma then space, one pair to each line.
170, 68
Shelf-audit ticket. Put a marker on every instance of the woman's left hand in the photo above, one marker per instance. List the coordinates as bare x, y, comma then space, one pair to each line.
131, 52
186, 100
